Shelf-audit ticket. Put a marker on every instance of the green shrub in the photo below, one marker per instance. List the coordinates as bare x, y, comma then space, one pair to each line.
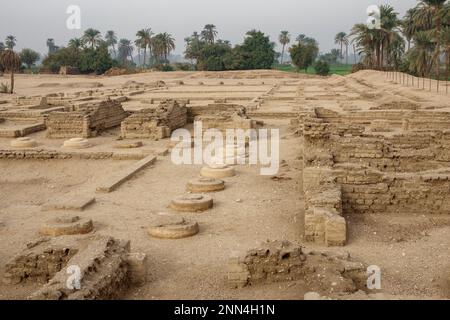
163, 67
322, 68
183, 66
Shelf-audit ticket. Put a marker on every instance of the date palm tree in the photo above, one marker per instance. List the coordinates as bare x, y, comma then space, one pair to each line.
408, 26
342, 40
363, 39
145, 39
75, 43
421, 54
163, 45
209, 33
433, 11
10, 42
125, 50
446, 50
11, 62
301, 38
92, 37
111, 41
285, 39
138, 45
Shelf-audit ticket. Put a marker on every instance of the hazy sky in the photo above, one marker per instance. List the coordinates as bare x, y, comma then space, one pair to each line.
33, 21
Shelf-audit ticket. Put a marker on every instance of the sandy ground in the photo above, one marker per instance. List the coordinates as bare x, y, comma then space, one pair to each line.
412, 251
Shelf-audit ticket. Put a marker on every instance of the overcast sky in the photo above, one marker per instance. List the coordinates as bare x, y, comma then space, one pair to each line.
33, 21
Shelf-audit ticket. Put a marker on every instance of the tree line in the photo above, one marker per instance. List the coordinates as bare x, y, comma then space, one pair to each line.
418, 43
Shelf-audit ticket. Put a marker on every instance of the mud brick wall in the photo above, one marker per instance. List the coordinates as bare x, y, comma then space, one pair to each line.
68, 125
37, 264
156, 123
278, 261
323, 207
103, 268
214, 109
223, 123
85, 121
405, 152
418, 120
322, 194
45, 154
371, 191
400, 172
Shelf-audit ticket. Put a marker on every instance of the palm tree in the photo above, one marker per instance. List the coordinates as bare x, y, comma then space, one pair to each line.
125, 50
409, 26
446, 49
163, 45
169, 44
10, 42
389, 32
209, 33
145, 39
342, 40
433, 11
301, 38
284, 39
420, 54
376, 44
111, 41
11, 62
195, 36
91, 37
362, 38
75, 43
138, 45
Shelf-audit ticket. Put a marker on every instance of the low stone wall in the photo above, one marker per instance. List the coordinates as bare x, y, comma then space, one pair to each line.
103, 270
279, 261
352, 165
46, 154
21, 130
37, 264
105, 267
214, 109
85, 121
156, 123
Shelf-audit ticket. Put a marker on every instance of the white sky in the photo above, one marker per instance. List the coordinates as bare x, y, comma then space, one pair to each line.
33, 21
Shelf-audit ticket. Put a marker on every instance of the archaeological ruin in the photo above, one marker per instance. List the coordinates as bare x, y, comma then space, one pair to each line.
88, 184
